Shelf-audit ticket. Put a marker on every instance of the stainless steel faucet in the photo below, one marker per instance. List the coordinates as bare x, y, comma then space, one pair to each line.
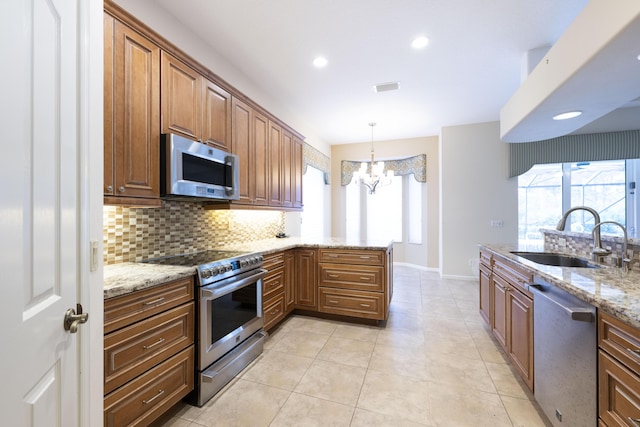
598, 250
623, 262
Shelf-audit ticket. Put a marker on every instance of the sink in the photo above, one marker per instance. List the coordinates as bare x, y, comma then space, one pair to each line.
559, 260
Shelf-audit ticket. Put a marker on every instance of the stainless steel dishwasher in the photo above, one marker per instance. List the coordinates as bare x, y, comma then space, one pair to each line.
565, 356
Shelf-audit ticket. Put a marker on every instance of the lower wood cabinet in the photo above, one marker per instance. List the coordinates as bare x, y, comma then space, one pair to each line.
148, 352
306, 282
273, 290
507, 307
618, 372
349, 302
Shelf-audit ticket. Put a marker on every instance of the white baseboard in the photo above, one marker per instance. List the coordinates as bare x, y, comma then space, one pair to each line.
455, 277
419, 267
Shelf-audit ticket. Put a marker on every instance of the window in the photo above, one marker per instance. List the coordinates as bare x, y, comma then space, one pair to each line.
312, 226
375, 216
546, 191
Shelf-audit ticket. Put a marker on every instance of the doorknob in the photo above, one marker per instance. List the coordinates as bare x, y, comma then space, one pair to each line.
73, 319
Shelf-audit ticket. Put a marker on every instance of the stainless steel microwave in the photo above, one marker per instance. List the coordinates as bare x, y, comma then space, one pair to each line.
190, 169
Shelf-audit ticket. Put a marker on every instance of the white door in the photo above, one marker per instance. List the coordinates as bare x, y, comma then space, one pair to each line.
44, 226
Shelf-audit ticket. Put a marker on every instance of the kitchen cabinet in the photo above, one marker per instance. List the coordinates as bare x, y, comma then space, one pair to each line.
148, 352
306, 282
194, 106
249, 130
286, 170
289, 280
618, 372
275, 168
297, 172
273, 289
181, 98
353, 283
131, 116
510, 311
485, 286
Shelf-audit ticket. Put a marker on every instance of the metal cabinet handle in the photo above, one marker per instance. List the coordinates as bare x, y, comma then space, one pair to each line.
333, 275
635, 352
155, 301
121, 189
147, 347
332, 301
364, 257
110, 188
147, 401
365, 305
368, 279
634, 421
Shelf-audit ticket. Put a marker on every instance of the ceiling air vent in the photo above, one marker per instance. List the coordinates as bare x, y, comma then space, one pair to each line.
384, 87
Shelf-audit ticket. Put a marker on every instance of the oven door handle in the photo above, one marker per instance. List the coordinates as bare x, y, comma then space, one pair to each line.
231, 284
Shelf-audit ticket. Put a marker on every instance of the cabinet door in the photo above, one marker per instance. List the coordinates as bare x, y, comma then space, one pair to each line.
485, 293
618, 392
260, 162
216, 121
109, 107
499, 326
136, 116
286, 170
181, 99
289, 281
520, 334
306, 278
275, 153
241, 127
297, 173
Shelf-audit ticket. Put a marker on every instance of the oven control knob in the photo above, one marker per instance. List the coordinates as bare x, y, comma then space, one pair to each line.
215, 271
206, 274
228, 267
243, 263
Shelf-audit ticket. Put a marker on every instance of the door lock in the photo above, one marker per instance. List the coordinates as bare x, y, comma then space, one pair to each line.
73, 319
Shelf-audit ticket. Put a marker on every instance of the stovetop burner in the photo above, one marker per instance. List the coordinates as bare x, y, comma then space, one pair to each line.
214, 265
196, 258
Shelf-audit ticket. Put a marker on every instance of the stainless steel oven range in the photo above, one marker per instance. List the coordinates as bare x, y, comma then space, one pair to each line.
229, 311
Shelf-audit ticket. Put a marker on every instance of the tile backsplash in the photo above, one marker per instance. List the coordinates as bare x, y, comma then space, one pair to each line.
135, 234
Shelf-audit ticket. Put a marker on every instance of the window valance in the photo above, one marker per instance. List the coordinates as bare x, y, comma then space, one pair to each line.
416, 165
313, 157
574, 148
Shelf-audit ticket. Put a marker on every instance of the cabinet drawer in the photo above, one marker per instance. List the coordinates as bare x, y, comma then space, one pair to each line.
130, 351
620, 340
127, 309
367, 305
272, 284
273, 261
514, 274
151, 394
359, 277
350, 256
486, 258
273, 311
619, 393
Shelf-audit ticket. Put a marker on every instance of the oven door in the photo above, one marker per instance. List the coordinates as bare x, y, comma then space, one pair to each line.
230, 312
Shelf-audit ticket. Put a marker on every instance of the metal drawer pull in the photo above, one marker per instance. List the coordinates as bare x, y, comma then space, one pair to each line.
637, 353
634, 421
147, 401
365, 305
147, 347
364, 257
333, 255
155, 301
333, 275
365, 278
332, 301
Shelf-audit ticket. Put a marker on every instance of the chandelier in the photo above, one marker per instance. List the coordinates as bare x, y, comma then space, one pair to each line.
375, 177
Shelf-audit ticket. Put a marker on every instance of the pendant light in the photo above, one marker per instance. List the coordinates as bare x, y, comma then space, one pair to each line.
374, 177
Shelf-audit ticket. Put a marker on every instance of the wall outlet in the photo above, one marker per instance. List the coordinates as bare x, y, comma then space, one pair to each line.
497, 223
562, 242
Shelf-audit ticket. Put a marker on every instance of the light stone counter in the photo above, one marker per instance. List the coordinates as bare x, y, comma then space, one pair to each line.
120, 279
609, 288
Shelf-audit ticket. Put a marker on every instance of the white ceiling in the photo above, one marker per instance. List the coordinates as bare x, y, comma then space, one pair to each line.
469, 70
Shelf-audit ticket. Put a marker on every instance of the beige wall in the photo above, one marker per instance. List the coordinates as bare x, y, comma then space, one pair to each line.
474, 190
425, 255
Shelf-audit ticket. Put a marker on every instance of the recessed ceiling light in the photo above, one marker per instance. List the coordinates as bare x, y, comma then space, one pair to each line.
567, 115
419, 42
320, 62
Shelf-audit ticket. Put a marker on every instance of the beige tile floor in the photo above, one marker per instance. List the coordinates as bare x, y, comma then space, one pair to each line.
434, 363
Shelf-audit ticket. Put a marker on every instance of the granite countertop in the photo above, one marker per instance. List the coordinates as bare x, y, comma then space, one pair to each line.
123, 278
611, 289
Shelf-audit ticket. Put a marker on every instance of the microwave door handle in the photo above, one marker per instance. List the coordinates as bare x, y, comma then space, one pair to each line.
219, 289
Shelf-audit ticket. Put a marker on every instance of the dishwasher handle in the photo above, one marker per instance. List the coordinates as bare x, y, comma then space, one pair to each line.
575, 313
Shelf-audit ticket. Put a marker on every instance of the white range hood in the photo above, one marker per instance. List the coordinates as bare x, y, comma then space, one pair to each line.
594, 68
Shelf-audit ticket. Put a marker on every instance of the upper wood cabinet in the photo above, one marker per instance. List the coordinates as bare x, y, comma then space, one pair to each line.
286, 170
181, 99
275, 154
131, 116
216, 119
296, 177
250, 133
194, 106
